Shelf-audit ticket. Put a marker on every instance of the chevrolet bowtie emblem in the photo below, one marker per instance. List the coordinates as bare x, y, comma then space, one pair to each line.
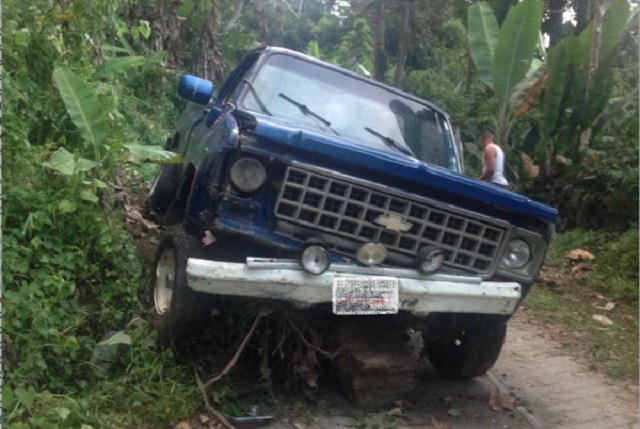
393, 222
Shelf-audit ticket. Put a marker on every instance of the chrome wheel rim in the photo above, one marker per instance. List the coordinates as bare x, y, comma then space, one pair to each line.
165, 281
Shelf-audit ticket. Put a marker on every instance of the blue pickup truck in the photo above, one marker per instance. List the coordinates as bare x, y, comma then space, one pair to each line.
311, 187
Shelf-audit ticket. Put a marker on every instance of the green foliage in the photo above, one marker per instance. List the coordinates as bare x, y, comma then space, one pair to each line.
67, 135
483, 37
356, 49
568, 299
515, 45
119, 65
83, 107
601, 191
578, 89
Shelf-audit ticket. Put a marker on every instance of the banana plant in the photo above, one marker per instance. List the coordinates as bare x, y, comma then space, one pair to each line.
503, 56
570, 112
90, 118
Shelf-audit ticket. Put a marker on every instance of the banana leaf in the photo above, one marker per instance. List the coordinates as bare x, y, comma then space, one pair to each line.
82, 105
119, 65
516, 46
615, 22
483, 38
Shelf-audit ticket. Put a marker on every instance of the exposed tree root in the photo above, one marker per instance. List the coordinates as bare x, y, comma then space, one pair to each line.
207, 388
328, 355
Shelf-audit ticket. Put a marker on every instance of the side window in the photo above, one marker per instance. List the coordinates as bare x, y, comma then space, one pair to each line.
230, 91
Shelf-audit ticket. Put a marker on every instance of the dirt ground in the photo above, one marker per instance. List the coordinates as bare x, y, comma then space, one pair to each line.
535, 384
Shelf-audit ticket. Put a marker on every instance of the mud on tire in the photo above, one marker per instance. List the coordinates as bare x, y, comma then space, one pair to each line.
463, 346
178, 313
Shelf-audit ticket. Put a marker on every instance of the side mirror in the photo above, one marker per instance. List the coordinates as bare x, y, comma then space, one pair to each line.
194, 89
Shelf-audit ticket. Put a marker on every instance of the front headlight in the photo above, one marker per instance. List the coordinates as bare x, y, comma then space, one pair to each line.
517, 254
247, 174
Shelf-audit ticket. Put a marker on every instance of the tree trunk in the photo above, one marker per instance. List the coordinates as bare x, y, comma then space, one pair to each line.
379, 53
403, 42
596, 42
212, 65
166, 33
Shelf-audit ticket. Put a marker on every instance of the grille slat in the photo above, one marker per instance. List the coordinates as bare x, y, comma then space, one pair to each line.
348, 209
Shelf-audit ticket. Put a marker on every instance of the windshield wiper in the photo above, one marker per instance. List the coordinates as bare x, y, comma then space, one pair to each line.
391, 142
255, 95
308, 112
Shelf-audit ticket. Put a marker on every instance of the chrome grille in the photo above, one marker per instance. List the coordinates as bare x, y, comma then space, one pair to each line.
349, 209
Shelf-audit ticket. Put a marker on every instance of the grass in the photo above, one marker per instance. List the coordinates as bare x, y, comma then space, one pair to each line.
567, 298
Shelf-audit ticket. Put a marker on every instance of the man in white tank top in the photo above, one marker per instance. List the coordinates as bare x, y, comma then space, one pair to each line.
492, 161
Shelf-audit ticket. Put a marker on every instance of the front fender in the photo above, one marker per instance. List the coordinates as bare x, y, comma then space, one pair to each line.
220, 138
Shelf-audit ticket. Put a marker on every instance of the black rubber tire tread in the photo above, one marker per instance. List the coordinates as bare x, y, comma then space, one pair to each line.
165, 189
184, 319
480, 339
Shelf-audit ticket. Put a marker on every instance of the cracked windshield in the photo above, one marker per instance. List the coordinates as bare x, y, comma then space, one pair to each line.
338, 104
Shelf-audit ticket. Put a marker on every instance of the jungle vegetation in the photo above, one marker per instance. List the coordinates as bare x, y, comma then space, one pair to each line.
89, 99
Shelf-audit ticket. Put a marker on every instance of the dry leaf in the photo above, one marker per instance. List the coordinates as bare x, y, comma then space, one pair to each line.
134, 214
506, 401
299, 426
454, 412
597, 295
602, 319
530, 168
494, 401
436, 424
581, 266
183, 425
501, 400
607, 307
395, 412
580, 255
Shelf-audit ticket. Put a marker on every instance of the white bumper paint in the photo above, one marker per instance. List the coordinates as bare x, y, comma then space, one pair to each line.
419, 294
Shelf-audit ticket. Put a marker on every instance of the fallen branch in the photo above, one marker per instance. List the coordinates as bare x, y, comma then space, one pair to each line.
207, 386
217, 414
329, 355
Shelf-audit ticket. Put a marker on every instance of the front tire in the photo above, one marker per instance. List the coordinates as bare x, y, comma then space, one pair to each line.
164, 189
177, 310
463, 346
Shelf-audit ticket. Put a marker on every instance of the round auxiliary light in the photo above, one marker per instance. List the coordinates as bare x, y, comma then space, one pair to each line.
430, 258
371, 253
314, 259
517, 254
247, 174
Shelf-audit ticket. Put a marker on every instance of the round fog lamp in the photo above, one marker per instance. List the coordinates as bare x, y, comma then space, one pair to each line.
517, 254
430, 259
314, 259
371, 254
247, 174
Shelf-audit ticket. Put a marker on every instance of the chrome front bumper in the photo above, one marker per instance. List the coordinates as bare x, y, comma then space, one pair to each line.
418, 294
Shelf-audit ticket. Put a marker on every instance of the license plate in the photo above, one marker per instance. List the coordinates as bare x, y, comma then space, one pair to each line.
365, 295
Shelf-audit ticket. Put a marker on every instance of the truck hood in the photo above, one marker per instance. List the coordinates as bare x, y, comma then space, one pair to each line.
386, 166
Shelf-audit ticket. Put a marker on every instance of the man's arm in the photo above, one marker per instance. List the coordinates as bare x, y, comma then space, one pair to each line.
490, 154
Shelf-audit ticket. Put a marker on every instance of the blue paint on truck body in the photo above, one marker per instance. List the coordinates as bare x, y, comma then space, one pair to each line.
411, 152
